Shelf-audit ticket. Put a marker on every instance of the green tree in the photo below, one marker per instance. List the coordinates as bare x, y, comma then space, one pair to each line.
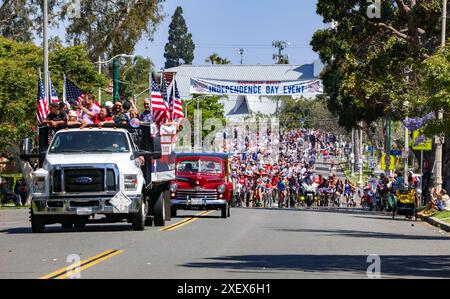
136, 78
216, 59
112, 27
373, 65
180, 48
314, 112
20, 19
19, 68
210, 107
104, 27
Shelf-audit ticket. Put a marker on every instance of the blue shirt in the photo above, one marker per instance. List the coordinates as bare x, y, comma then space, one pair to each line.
147, 116
281, 186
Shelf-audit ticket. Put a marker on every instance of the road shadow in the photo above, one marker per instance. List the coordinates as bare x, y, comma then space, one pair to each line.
398, 266
363, 234
54, 229
336, 210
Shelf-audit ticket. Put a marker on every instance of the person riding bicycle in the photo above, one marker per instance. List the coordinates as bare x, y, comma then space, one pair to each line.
281, 187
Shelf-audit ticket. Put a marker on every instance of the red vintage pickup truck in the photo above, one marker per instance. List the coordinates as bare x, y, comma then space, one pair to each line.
203, 182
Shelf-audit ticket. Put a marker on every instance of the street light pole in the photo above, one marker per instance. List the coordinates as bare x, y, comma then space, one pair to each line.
406, 150
444, 23
116, 73
439, 139
45, 37
99, 72
116, 79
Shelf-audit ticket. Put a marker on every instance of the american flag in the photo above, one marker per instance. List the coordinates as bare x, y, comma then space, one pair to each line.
177, 105
54, 96
42, 105
74, 95
159, 108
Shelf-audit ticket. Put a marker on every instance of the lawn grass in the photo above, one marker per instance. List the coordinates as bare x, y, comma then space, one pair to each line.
444, 216
12, 207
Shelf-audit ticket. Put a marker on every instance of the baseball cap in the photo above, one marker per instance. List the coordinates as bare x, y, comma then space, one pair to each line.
109, 104
72, 113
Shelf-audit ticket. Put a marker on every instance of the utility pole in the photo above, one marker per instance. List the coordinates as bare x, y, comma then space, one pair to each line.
45, 37
116, 78
360, 154
241, 52
353, 156
281, 45
100, 72
444, 23
440, 139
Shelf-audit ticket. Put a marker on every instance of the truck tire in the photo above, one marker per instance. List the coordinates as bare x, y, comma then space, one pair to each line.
167, 206
138, 220
79, 225
224, 211
229, 211
67, 225
159, 211
37, 224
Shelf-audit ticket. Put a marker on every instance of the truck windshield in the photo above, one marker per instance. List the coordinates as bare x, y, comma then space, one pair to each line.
89, 142
203, 166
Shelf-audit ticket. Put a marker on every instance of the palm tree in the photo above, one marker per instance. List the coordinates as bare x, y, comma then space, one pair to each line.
224, 61
213, 58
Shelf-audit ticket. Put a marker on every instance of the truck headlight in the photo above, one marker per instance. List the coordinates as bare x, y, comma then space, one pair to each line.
130, 182
39, 184
221, 189
173, 188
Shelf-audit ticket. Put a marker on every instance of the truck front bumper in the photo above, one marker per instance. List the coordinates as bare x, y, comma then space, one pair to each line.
193, 204
82, 206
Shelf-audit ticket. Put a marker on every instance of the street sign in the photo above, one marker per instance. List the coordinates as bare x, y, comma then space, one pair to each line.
391, 163
372, 162
426, 145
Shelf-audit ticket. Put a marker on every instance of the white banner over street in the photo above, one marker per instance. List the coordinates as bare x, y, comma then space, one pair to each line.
260, 88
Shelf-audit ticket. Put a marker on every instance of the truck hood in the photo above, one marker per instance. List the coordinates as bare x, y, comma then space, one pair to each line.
120, 159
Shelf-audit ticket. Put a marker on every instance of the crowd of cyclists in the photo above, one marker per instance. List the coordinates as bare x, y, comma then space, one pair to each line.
261, 180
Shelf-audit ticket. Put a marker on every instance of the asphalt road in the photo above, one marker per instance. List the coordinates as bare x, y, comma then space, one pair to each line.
252, 244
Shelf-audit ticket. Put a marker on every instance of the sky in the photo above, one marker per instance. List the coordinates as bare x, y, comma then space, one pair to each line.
223, 26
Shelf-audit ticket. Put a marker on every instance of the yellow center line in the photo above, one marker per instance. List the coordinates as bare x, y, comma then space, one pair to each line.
185, 221
78, 267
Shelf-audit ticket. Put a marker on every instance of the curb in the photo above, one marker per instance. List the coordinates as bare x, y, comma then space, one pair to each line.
436, 222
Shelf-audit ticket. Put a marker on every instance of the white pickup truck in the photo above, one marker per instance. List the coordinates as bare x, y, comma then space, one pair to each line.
92, 172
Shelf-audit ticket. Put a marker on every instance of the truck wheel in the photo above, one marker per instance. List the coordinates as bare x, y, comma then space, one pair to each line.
37, 223
229, 211
159, 211
79, 225
224, 211
138, 221
67, 225
173, 212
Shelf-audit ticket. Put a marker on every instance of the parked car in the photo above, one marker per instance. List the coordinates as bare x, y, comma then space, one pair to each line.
203, 182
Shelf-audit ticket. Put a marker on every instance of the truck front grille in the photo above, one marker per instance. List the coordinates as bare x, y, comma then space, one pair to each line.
79, 180
193, 194
73, 185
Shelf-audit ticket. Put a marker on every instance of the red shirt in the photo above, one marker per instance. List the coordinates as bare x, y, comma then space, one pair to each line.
96, 119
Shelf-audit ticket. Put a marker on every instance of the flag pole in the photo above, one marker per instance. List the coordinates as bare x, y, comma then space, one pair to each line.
64, 89
150, 84
173, 98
